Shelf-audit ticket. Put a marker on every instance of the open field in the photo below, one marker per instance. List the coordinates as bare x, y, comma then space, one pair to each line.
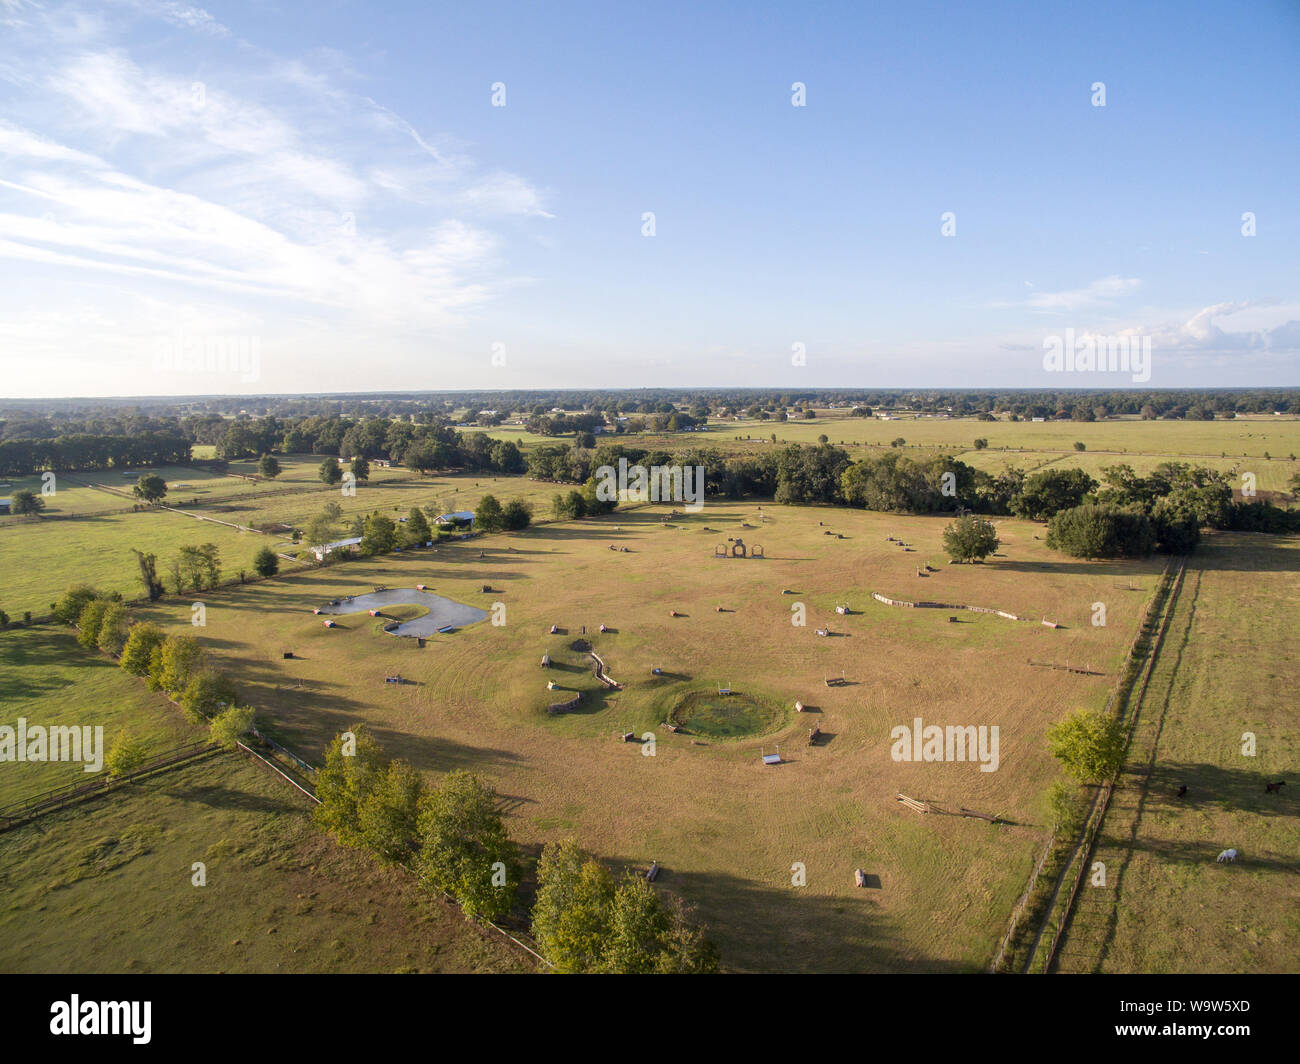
725, 828
41, 559
1228, 667
106, 887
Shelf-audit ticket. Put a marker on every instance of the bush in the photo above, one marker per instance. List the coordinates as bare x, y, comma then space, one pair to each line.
112, 628
266, 562
68, 609
88, 623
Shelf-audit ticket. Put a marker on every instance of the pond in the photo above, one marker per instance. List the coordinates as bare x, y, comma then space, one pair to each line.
730, 716
442, 611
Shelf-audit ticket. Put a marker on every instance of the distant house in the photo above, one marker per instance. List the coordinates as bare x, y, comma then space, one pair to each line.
457, 517
338, 544
6, 506
1038, 419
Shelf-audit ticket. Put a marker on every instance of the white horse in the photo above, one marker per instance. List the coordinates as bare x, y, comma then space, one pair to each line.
1228, 856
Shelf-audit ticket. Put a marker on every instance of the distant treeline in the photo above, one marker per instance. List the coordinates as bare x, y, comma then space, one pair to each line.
47, 418
23, 457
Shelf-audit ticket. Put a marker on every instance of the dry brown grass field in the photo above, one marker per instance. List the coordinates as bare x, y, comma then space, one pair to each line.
726, 829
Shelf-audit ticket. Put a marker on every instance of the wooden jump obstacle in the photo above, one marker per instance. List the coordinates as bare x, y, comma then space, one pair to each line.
913, 804
564, 707
771, 759
1067, 667
835, 681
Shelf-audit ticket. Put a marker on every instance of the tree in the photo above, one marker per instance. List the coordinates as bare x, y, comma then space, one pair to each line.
571, 914
88, 623
1101, 530
1079, 445
68, 609
320, 530
112, 628
417, 527
149, 575
179, 659
151, 488
388, 814
207, 693
517, 515
141, 641
361, 467
266, 562
584, 923
379, 535
1051, 491
981, 444
970, 538
353, 766
464, 847
488, 515
25, 502
269, 467
1089, 744
229, 726
201, 565
126, 754
330, 471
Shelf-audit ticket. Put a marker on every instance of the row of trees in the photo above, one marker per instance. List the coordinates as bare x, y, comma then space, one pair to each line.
22, 457
453, 836
176, 665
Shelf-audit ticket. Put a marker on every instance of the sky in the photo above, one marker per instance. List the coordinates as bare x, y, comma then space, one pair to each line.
331, 197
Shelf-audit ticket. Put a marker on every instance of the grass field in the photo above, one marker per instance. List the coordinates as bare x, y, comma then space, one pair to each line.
107, 887
49, 680
104, 886
1228, 667
726, 829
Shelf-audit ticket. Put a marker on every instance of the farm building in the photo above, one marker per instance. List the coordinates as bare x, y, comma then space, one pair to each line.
456, 517
338, 544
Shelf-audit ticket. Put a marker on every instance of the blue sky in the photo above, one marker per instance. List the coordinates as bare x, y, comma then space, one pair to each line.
332, 185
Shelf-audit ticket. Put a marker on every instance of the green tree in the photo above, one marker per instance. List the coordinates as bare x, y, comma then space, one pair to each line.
981, 444
330, 471
266, 562
1089, 744
517, 515
488, 515
151, 488
231, 725
126, 754
141, 640
25, 502
207, 693
970, 538
1101, 530
464, 847
269, 467
112, 628
361, 467
388, 814
379, 535
68, 609
180, 658
354, 764
88, 623
570, 918
417, 527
